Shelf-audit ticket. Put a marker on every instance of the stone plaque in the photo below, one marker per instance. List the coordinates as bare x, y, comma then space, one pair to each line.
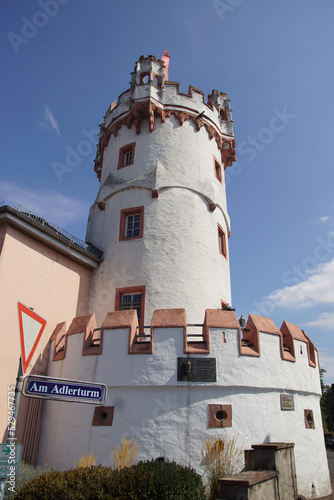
196, 370
287, 402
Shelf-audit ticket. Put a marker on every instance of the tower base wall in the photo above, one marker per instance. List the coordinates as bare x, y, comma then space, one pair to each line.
258, 398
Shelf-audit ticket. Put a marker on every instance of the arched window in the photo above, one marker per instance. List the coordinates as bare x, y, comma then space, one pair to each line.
223, 115
144, 78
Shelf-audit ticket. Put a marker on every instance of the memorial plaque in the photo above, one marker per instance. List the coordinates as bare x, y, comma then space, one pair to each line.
196, 370
287, 402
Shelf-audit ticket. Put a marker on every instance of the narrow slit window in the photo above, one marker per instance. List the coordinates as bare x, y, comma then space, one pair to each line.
222, 242
217, 170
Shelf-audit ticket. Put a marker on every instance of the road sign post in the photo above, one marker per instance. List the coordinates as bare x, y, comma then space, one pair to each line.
12, 407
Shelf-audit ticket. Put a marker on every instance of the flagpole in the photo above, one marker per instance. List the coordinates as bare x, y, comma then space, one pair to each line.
12, 419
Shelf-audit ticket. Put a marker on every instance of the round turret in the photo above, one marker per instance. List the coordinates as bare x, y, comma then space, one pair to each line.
160, 216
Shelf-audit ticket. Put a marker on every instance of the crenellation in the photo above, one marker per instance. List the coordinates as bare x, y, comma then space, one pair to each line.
119, 336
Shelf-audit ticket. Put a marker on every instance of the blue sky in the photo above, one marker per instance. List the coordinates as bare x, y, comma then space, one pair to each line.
65, 61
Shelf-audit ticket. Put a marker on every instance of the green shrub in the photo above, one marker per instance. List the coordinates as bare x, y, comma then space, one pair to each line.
26, 474
172, 481
145, 481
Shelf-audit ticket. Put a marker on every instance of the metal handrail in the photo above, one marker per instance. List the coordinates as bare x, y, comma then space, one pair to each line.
72, 240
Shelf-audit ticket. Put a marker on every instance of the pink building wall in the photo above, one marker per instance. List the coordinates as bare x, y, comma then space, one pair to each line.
42, 278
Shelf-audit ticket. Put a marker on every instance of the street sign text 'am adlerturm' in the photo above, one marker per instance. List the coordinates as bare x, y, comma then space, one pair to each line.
64, 390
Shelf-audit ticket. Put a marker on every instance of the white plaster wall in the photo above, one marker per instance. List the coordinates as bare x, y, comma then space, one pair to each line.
178, 258
170, 418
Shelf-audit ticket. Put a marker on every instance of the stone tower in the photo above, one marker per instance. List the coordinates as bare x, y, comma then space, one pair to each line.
160, 216
161, 220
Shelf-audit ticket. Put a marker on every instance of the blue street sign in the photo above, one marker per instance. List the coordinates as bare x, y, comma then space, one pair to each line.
39, 386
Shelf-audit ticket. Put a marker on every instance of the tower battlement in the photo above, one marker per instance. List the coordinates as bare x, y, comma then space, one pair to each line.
151, 97
287, 356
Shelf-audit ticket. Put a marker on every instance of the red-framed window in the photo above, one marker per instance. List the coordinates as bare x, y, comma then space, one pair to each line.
222, 241
131, 223
131, 298
217, 170
126, 156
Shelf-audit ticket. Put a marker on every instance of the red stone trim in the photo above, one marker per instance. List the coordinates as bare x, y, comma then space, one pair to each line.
155, 193
169, 318
310, 351
255, 325
103, 416
123, 150
176, 318
291, 332
101, 205
287, 345
131, 289
59, 338
130, 211
149, 109
220, 416
127, 319
212, 207
217, 318
86, 324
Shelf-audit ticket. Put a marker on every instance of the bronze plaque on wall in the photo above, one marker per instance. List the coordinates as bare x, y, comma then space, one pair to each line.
196, 370
287, 402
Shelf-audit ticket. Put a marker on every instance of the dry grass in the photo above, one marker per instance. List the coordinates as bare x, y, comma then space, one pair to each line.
221, 458
86, 460
125, 455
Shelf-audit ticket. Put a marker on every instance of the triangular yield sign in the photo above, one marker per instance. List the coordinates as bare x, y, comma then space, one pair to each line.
31, 329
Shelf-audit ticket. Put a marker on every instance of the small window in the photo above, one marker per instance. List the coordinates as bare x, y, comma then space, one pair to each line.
222, 242
126, 155
218, 170
131, 223
223, 114
144, 78
157, 80
132, 298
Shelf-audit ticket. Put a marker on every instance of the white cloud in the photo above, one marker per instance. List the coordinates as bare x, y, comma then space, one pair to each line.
50, 121
325, 320
51, 205
318, 288
326, 362
325, 218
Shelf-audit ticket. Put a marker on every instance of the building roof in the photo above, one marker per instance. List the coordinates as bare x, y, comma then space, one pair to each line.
51, 235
